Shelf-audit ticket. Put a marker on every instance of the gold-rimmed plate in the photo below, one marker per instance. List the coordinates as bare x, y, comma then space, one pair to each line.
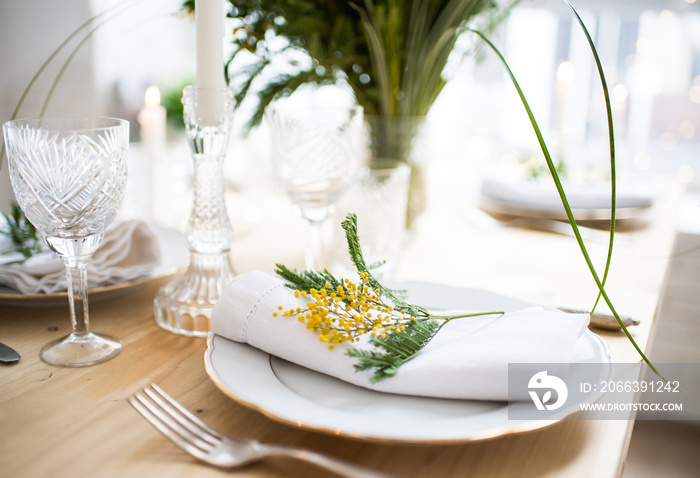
309, 400
174, 255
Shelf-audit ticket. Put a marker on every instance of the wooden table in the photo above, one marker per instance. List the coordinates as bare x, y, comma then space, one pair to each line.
75, 422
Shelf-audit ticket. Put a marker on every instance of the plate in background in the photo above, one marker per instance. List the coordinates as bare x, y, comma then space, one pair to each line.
174, 255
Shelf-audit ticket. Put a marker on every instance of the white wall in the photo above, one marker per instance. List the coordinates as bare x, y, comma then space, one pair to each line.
142, 44
29, 31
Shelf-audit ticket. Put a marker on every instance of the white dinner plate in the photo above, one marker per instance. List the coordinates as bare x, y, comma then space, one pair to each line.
174, 255
506, 197
502, 209
310, 400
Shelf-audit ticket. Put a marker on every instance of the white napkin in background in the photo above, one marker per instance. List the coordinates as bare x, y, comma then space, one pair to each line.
543, 192
129, 250
467, 359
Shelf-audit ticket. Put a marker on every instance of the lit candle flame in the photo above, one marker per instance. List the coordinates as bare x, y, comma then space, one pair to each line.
619, 93
565, 72
152, 97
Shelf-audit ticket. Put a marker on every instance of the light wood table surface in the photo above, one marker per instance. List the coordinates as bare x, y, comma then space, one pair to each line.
63, 422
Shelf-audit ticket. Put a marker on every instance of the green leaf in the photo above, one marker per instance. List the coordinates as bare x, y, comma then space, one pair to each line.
560, 189
307, 280
349, 225
23, 235
399, 348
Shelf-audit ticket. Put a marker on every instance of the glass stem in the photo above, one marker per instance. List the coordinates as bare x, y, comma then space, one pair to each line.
76, 276
316, 218
314, 245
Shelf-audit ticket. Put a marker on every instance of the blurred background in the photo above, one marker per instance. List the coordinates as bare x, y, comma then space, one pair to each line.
650, 50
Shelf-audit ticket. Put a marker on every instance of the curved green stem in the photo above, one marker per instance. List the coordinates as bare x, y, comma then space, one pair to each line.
565, 202
448, 318
611, 139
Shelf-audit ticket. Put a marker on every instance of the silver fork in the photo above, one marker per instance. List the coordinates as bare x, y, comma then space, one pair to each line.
203, 442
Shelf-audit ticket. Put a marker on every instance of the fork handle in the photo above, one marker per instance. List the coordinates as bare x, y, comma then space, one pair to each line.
340, 467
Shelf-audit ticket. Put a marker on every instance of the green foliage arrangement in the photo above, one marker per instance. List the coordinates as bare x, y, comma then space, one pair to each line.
391, 53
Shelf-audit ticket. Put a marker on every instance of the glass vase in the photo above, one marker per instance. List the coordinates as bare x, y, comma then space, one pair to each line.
404, 138
379, 199
184, 305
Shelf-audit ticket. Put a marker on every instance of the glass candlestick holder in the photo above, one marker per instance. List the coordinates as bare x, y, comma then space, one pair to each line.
184, 305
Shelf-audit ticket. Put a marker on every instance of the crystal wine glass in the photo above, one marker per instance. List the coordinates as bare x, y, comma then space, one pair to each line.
69, 178
316, 155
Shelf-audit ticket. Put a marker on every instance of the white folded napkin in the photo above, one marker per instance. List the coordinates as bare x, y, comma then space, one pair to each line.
467, 359
129, 250
542, 193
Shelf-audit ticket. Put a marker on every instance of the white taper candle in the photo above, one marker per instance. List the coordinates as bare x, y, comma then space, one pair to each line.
209, 19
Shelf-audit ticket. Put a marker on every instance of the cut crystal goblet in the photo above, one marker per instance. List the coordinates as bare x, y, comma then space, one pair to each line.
69, 177
316, 155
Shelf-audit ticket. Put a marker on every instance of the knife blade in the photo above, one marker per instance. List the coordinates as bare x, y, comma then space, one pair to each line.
8, 354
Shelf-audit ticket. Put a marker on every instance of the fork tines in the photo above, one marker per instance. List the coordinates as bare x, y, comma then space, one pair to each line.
175, 421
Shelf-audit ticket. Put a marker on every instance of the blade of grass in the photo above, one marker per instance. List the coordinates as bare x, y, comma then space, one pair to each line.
377, 52
562, 194
611, 139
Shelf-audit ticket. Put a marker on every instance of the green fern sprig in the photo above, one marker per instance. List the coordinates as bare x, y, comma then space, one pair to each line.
306, 280
396, 296
392, 349
400, 347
